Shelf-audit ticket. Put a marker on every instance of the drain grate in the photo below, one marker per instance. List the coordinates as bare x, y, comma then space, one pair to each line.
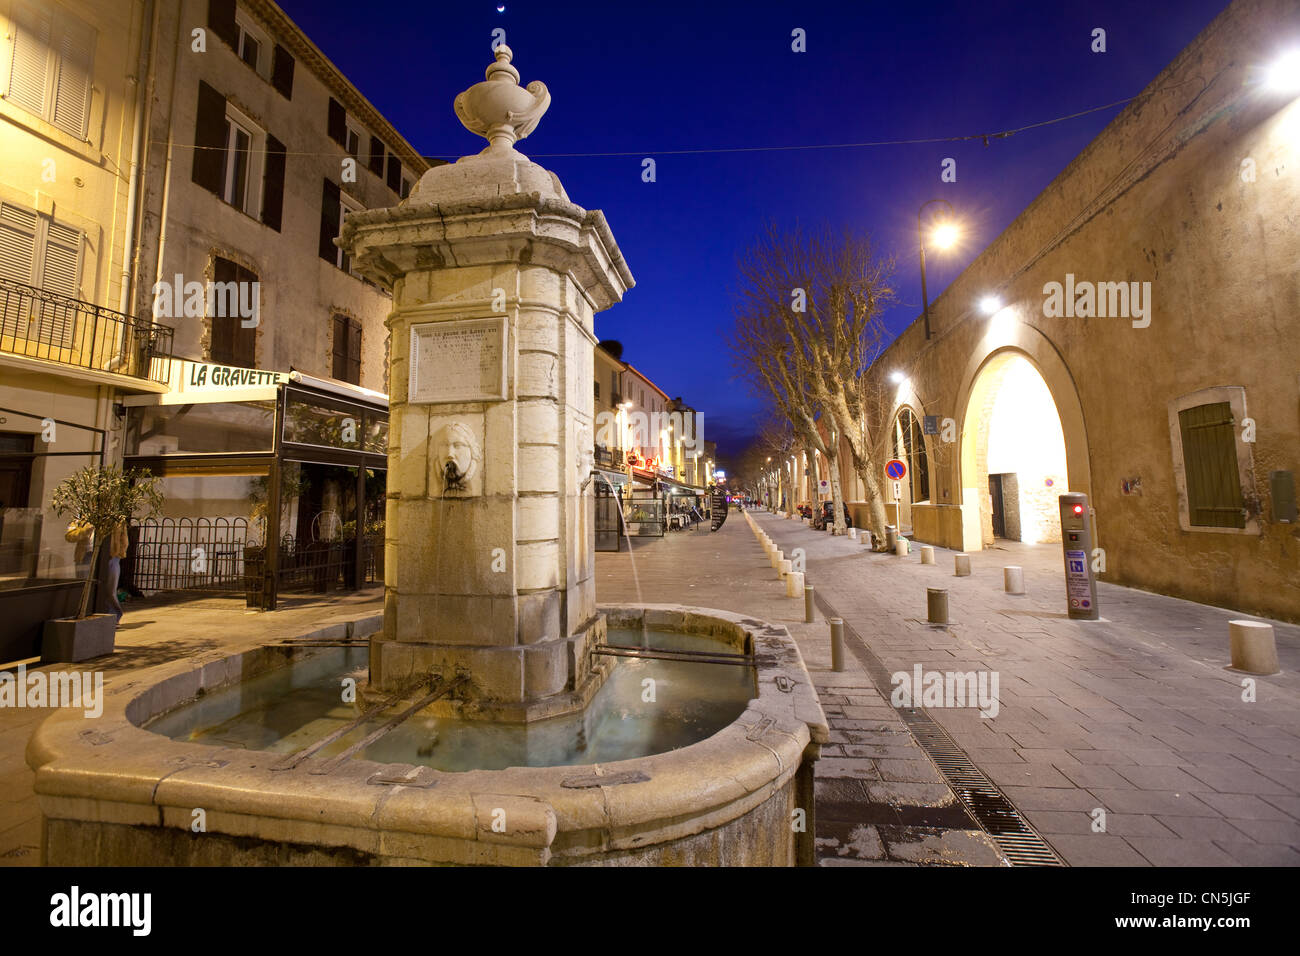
988, 805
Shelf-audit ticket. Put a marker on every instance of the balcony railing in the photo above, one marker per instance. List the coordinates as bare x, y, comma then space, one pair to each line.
44, 325
609, 457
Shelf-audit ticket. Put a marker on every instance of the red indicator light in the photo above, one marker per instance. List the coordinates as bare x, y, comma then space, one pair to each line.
1078, 509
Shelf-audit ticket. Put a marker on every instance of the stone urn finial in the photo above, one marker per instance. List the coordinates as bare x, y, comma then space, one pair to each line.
499, 109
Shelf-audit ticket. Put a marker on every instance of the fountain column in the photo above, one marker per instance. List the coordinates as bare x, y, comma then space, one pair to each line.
496, 277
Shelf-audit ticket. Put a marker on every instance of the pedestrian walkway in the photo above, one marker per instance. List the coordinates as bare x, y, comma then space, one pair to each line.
1125, 741
150, 634
879, 799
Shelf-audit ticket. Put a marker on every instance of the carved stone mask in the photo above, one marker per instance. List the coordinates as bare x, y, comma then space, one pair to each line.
457, 454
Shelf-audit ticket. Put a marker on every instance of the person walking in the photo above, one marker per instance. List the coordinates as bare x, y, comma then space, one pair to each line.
117, 547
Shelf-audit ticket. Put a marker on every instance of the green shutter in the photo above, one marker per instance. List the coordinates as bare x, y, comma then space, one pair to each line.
1214, 497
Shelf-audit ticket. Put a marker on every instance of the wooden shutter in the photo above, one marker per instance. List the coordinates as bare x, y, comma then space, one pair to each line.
329, 222
1214, 498
222, 343
72, 78
17, 252
245, 339
273, 188
338, 346
282, 63
377, 150
221, 18
338, 123
60, 268
394, 173
354, 352
29, 68
209, 166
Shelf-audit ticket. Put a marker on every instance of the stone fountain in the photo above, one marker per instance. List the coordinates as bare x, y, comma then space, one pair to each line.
496, 277
489, 608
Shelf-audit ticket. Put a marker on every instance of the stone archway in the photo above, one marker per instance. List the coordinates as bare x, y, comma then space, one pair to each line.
1045, 416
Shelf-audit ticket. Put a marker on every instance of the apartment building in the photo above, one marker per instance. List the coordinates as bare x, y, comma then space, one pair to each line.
71, 136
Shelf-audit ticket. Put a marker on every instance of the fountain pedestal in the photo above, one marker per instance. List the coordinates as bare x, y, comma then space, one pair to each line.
496, 277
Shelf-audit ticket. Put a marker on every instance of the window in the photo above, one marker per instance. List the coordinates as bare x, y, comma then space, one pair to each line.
250, 47
335, 208
50, 66
597, 384
230, 342
236, 160
912, 442
406, 186
35, 250
1213, 466
239, 147
1210, 462
354, 137
346, 349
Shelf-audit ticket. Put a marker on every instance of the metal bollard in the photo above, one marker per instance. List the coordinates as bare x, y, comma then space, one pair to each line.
891, 537
961, 565
809, 608
927, 554
837, 644
1013, 579
936, 604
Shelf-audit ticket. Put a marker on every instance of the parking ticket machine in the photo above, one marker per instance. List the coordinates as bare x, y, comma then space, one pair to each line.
1076, 541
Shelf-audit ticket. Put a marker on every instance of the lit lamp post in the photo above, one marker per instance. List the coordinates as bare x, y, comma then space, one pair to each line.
943, 236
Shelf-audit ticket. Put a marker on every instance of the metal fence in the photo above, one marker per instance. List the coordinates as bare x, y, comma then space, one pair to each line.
44, 325
188, 554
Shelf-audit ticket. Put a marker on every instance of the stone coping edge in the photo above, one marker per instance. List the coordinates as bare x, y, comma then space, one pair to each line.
110, 770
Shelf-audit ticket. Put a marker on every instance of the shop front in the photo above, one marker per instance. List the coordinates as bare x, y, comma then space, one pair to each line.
274, 482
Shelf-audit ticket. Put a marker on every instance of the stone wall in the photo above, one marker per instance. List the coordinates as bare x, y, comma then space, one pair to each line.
1158, 197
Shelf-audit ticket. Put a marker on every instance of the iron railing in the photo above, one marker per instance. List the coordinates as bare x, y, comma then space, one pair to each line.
609, 457
187, 554
44, 325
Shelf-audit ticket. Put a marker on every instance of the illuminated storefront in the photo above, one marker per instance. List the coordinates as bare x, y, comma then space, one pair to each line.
274, 481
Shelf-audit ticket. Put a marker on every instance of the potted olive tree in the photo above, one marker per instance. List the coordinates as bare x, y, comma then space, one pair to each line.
101, 498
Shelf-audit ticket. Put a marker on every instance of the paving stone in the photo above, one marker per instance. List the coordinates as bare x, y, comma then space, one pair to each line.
1244, 806
1097, 849
1162, 778
842, 767
1181, 852
1259, 854
1153, 801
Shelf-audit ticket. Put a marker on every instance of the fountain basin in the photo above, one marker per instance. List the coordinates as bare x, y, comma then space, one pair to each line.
113, 793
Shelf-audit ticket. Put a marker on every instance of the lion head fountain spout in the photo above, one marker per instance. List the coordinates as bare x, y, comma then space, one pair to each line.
499, 109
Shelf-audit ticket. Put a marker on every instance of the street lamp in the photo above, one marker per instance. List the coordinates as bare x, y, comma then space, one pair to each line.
943, 236
990, 304
1284, 74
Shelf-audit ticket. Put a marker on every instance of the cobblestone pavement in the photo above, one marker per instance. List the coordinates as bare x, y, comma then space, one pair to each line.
1136, 715
152, 633
880, 800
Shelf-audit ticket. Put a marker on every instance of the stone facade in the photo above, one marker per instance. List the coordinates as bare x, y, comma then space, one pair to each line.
1191, 189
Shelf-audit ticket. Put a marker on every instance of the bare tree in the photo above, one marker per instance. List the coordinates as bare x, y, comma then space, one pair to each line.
807, 329
770, 351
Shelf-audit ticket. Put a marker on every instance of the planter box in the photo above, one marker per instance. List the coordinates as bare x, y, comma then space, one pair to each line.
67, 640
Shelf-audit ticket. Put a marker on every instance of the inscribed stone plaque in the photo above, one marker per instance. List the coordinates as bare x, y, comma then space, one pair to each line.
460, 360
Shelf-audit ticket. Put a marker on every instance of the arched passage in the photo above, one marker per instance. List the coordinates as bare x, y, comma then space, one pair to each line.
1013, 454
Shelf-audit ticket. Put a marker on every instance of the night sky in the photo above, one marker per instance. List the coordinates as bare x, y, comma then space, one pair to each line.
641, 78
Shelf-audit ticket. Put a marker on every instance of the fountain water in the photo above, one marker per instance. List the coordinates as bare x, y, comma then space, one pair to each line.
490, 615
